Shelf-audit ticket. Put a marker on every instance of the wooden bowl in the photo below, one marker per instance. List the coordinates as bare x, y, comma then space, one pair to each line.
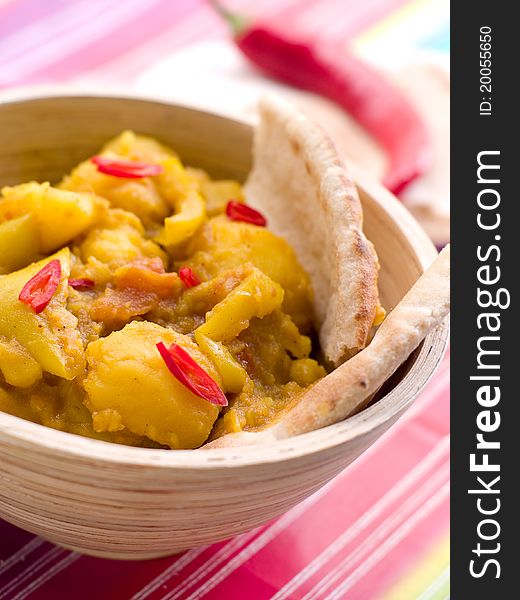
132, 503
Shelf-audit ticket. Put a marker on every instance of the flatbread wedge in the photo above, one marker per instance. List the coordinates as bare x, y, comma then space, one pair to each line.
301, 185
347, 389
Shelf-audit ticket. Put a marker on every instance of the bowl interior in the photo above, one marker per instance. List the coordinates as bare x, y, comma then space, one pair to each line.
42, 138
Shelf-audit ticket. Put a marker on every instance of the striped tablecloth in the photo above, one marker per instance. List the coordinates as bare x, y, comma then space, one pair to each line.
379, 531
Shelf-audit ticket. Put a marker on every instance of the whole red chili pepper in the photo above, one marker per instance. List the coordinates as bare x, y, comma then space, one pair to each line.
39, 290
327, 69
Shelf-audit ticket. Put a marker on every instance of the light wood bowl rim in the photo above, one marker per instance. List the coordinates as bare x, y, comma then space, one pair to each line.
27, 434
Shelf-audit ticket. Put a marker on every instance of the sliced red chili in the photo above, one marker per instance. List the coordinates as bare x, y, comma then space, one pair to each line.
182, 366
129, 169
237, 211
81, 284
39, 290
188, 277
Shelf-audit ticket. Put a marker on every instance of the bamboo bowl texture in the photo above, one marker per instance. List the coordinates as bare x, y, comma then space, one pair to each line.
131, 503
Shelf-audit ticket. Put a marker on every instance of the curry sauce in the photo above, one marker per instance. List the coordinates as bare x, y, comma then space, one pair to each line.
131, 256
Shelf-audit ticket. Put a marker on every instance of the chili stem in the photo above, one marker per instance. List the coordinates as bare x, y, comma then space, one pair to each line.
237, 22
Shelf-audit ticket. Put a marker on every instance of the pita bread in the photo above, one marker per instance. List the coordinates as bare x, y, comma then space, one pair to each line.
301, 185
347, 389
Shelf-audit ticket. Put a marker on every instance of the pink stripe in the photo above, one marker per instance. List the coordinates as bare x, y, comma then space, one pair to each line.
340, 508
416, 494
121, 38
383, 506
186, 577
48, 574
404, 556
437, 502
201, 24
322, 18
21, 554
265, 537
119, 41
373, 462
27, 40
213, 561
368, 14
26, 575
154, 21
347, 562
15, 14
173, 569
71, 46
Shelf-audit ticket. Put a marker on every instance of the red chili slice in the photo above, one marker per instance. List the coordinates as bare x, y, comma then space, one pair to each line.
182, 366
81, 284
241, 212
39, 290
129, 169
188, 277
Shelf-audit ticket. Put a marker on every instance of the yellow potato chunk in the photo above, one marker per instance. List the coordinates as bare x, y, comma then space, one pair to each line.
380, 315
175, 182
60, 215
306, 371
117, 240
133, 146
16, 364
143, 197
270, 343
51, 338
218, 193
233, 375
18, 243
290, 337
182, 192
223, 244
138, 196
127, 376
257, 296
108, 420
179, 228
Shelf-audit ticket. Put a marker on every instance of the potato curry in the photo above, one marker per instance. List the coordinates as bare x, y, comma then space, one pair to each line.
143, 303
